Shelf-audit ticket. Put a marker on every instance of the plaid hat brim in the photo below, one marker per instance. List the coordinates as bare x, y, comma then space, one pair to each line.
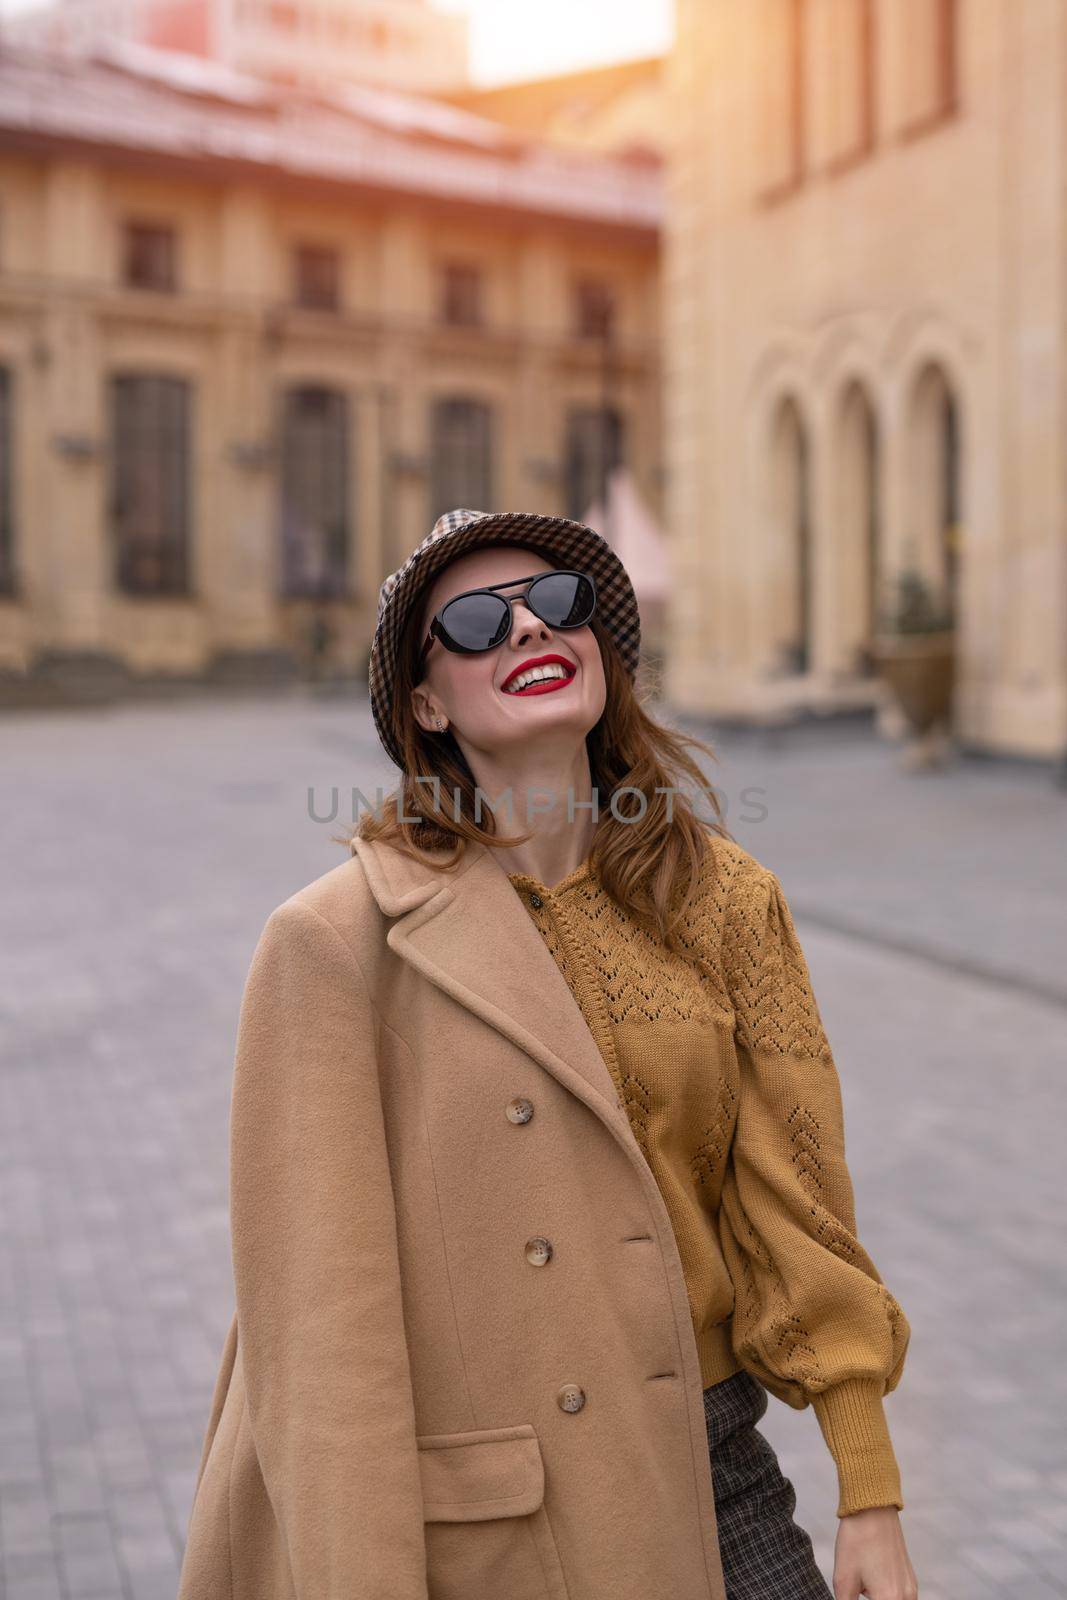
572, 544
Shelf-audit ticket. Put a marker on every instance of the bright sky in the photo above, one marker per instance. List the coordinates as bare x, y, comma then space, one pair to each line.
531, 38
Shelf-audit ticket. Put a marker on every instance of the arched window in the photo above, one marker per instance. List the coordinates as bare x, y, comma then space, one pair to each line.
934, 534
858, 559
789, 570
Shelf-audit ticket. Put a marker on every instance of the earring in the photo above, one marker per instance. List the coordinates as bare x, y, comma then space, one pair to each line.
440, 723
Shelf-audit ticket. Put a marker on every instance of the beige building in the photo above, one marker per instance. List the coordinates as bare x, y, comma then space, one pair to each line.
252, 344
398, 44
866, 363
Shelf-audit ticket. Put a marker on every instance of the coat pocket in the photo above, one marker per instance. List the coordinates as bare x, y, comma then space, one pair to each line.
487, 1530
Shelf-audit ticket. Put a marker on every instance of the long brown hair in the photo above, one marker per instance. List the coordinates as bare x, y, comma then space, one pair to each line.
648, 865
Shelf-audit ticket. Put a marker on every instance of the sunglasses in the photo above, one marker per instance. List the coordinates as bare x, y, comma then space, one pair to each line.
480, 619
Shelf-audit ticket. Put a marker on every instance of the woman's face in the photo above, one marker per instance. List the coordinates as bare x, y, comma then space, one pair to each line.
470, 690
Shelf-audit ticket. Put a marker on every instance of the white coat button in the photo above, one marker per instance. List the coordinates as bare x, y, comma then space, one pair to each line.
536, 902
538, 1251
519, 1110
571, 1397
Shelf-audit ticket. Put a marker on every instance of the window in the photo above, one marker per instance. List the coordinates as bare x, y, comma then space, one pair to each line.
461, 468
933, 482
927, 64
317, 273
789, 557
594, 309
594, 445
150, 483
857, 513
314, 492
461, 294
7, 532
284, 16
151, 256
840, 79
779, 76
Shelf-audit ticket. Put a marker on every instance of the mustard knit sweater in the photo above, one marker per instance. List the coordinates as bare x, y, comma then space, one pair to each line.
720, 1060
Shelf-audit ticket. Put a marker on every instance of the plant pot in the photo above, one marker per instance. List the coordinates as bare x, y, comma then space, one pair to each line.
920, 671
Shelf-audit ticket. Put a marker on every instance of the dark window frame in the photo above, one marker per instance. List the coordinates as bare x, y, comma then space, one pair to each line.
316, 276
151, 416
462, 303
594, 444
596, 309
150, 255
315, 485
462, 453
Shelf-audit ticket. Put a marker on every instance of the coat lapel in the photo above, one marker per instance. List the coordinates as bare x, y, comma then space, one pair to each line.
468, 932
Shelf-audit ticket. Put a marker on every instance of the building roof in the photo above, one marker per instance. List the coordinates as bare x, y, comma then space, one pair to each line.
532, 103
133, 99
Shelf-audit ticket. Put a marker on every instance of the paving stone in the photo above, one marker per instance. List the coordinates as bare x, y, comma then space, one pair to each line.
932, 910
87, 1556
25, 1522
43, 1585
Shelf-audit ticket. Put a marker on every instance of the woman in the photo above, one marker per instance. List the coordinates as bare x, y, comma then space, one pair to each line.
537, 1157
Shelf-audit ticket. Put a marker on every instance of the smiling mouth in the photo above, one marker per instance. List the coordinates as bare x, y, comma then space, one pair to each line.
542, 685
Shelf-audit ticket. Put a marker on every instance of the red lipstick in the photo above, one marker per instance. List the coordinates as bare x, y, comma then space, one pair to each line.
546, 685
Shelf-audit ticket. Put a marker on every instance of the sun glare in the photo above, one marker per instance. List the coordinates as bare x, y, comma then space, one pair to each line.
512, 39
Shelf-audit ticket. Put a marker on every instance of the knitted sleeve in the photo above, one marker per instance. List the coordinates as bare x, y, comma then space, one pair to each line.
812, 1321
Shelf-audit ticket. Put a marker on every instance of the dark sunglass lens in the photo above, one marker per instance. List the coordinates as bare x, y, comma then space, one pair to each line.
563, 599
476, 621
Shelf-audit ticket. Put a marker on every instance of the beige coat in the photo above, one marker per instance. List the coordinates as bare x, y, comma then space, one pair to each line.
419, 1398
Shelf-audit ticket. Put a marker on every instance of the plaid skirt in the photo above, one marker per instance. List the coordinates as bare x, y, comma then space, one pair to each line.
765, 1554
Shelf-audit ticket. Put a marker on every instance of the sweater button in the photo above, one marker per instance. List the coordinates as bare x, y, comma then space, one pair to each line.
538, 1251
519, 1110
536, 902
571, 1397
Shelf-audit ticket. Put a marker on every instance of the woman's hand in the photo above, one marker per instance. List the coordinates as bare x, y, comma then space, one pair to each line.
870, 1557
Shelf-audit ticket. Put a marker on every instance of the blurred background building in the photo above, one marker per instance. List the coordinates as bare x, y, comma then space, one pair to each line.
404, 44
267, 307
865, 301
254, 340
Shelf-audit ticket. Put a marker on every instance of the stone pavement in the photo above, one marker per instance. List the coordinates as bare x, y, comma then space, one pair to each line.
144, 848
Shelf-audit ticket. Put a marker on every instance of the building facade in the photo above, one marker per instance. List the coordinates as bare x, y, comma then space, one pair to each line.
866, 306
400, 44
251, 349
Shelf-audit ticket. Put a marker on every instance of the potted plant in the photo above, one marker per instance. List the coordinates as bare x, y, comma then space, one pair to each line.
914, 651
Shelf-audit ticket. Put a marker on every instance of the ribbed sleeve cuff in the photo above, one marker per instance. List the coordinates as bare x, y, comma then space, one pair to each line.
852, 1418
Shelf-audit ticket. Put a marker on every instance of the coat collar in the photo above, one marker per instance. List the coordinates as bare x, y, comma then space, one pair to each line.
468, 932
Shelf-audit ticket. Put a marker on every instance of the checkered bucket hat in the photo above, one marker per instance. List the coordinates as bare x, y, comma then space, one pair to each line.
559, 539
